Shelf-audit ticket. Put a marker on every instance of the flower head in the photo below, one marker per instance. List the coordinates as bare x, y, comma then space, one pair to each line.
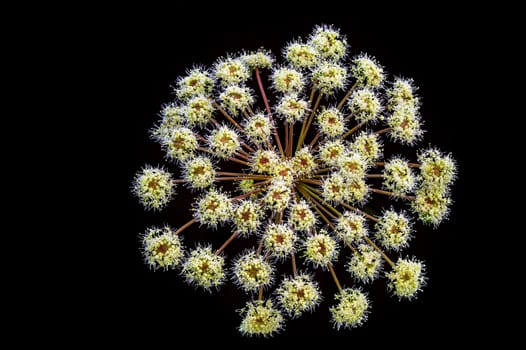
213, 208
298, 294
224, 142
365, 263
203, 268
292, 108
231, 71
304, 162
352, 165
181, 144
236, 98
398, 176
351, 310
329, 77
393, 230
405, 125
199, 172
331, 152
402, 93
351, 227
367, 72
301, 55
279, 240
154, 187
172, 117
431, 204
199, 110
251, 271
329, 43
162, 248
196, 82
258, 128
263, 162
365, 105
437, 168
287, 80
301, 217
278, 195
320, 249
260, 318
259, 59
331, 122
368, 146
406, 278
247, 216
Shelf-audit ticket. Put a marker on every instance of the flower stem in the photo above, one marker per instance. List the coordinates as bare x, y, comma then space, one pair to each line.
347, 95
269, 111
383, 131
303, 134
387, 193
294, 268
367, 215
185, 226
335, 278
374, 176
227, 242
386, 258
350, 132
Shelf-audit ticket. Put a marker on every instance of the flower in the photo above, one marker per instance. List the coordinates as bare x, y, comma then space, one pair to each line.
437, 168
368, 146
331, 122
407, 278
258, 128
320, 249
405, 126
162, 248
287, 80
213, 208
328, 42
364, 105
292, 108
393, 230
199, 110
224, 142
351, 310
196, 82
231, 71
154, 187
398, 176
259, 59
402, 93
301, 55
365, 263
431, 204
260, 318
367, 72
279, 240
298, 165
199, 172
252, 271
236, 98
204, 269
351, 227
301, 217
329, 77
181, 144
247, 216
298, 294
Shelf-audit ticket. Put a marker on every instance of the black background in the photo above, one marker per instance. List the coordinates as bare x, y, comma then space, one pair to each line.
142, 55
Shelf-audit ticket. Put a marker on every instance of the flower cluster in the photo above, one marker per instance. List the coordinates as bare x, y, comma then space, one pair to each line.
297, 178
